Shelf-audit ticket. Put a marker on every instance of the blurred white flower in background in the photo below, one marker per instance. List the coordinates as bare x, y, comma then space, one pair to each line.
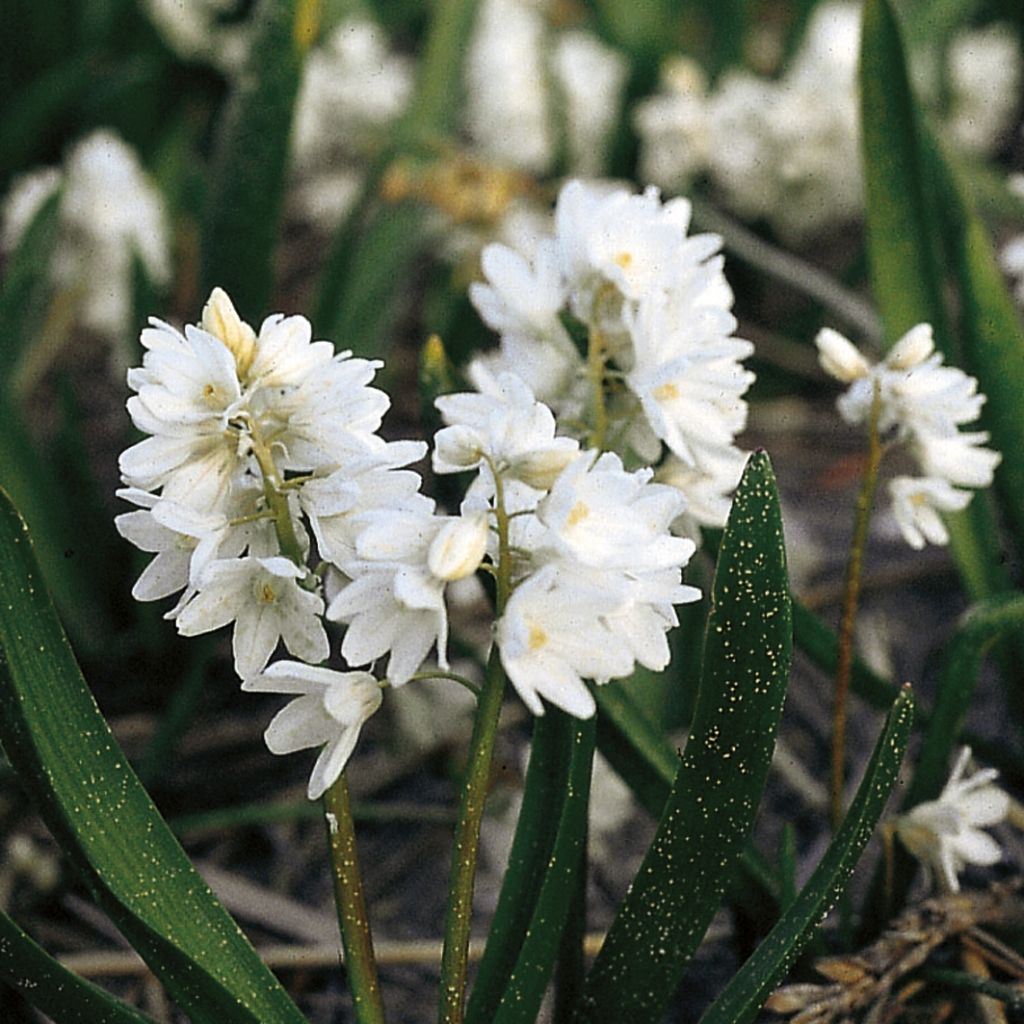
353, 88
532, 91
946, 834
110, 215
204, 31
922, 405
786, 150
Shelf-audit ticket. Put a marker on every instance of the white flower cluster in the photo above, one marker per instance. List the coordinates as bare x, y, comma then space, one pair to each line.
109, 214
946, 834
776, 151
663, 367
246, 431
594, 571
531, 91
923, 404
353, 88
258, 440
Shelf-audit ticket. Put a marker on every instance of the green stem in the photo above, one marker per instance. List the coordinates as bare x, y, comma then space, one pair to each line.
454, 957
595, 377
277, 500
851, 599
360, 965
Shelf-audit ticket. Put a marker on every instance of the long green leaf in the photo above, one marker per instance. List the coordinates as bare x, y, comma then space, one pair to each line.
521, 999
49, 986
81, 784
543, 797
248, 178
721, 774
26, 285
993, 342
904, 246
751, 985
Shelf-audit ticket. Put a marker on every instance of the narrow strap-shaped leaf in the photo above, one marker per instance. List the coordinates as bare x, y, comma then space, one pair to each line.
722, 771
82, 786
248, 177
49, 986
522, 997
993, 339
544, 793
980, 627
903, 250
751, 985
25, 286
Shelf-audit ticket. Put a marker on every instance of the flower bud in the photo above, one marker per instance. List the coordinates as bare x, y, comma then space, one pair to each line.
839, 358
914, 347
459, 547
221, 319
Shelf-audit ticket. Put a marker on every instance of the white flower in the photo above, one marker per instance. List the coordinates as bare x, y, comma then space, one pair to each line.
945, 834
196, 30
590, 77
1011, 259
606, 518
329, 710
394, 603
505, 427
916, 504
183, 540
507, 112
263, 598
706, 488
672, 125
29, 192
552, 636
353, 88
985, 72
924, 404
110, 214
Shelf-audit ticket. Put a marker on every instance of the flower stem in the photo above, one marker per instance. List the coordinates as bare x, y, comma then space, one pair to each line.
596, 357
360, 965
471, 803
851, 599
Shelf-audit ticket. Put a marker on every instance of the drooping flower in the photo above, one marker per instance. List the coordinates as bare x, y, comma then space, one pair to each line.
328, 709
946, 834
923, 404
264, 600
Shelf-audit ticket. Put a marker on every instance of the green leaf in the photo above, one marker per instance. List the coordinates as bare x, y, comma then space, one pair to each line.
537, 944
25, 286
81, 784
993, 342
721, 774
63, 557
904, 250
249, 172
747, 991
52, 988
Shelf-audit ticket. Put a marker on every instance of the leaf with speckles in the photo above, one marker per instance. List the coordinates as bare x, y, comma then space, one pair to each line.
83, 787
751, 985
49, 986
722, 771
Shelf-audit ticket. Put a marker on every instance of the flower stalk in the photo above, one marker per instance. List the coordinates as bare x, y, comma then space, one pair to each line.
851, 600
360, 965
455, 956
